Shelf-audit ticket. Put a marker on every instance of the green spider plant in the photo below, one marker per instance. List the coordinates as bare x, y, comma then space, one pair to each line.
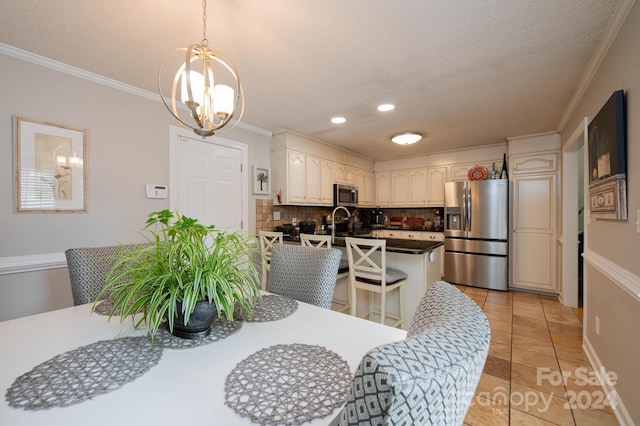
183, 262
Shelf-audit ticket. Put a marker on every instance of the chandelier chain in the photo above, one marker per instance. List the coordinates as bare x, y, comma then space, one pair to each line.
205, 42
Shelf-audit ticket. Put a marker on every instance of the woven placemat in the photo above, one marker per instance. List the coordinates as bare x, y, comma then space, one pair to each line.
288, 384
268, 308
83, 373
220, 329
105, 307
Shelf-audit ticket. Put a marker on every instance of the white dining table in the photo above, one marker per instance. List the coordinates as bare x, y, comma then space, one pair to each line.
186, 385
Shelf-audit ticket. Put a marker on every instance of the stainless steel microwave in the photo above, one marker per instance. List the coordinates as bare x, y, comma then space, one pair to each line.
345, 195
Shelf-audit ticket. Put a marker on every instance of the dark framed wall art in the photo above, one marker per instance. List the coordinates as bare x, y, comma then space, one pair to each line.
607, 135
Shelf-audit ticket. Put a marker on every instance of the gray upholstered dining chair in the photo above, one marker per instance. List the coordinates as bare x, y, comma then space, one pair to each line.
88, 268
304, 273
324, 241
428, 378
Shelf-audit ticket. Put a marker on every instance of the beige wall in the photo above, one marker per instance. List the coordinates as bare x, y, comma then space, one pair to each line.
618, 345
128, 147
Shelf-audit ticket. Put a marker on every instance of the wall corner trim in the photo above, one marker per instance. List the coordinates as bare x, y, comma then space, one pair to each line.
34, 262
625, 279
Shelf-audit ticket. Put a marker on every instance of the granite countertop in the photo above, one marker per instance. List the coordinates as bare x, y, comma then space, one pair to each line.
401, 246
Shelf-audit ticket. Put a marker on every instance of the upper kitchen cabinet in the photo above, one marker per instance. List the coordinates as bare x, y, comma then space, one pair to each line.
383, 189
366, 188
436, 177
304, 171
307, 179
418, 187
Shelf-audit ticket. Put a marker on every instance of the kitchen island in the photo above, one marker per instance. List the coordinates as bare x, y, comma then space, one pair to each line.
420, 260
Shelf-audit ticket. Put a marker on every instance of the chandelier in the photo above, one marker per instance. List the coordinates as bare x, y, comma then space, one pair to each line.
199, 102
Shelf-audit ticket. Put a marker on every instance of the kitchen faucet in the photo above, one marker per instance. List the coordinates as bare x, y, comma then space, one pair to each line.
333, 222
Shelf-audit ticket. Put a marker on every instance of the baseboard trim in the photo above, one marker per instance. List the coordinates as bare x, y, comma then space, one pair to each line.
34, 262
625, 279
619, 409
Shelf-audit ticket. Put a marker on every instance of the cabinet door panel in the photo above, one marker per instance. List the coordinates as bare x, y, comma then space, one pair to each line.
399, 188
535, 201
383, 184
296, 177
418, 187
313, 182
534, 261
436, 177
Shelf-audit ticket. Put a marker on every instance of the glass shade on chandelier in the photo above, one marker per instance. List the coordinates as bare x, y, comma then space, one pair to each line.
206, 93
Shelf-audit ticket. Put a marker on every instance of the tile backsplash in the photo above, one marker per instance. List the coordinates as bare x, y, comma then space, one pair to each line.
265, 210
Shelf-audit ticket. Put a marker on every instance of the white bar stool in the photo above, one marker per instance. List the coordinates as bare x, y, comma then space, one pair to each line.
267, 240
367, 274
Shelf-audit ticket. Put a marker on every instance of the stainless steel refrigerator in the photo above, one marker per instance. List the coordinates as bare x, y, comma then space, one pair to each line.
476, 233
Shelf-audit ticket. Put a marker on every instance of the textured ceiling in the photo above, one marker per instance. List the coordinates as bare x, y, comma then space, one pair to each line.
463, 73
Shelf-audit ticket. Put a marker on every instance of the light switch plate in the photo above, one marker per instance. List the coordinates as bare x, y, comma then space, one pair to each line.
276, 215
156, 191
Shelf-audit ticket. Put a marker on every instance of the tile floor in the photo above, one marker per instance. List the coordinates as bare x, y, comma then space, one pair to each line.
534, 339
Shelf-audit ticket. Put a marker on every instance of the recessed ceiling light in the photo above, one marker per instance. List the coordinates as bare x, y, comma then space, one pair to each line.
386, 107
406, 138
338, 120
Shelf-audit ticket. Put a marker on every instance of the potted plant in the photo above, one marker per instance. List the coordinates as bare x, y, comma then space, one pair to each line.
184, 268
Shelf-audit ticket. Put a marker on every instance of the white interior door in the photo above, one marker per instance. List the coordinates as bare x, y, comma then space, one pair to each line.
209, 182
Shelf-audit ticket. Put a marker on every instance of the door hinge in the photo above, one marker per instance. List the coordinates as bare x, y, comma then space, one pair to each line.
242, 224
240, 167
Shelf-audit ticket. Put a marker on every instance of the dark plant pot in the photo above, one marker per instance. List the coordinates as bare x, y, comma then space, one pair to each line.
199, 325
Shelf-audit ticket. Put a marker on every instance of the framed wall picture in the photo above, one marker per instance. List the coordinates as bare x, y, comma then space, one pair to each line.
261, 180
608, 160
50, 167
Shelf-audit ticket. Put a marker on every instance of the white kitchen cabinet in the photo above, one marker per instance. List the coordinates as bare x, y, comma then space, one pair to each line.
296, 178
307, 180
461, 171
400, 188
417, 187
436, 178
366, 188
345, 174
534, 217
327, 177
383, 189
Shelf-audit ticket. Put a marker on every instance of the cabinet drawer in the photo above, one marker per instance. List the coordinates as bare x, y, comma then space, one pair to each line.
534, 163
432, 236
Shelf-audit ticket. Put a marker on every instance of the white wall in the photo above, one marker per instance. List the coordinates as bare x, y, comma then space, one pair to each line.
613, 246
128, 146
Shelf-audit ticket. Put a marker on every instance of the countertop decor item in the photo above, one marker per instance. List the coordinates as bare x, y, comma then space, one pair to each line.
184, 263
209, 107
477, 173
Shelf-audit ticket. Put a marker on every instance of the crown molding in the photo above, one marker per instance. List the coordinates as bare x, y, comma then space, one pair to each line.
33, 58
601, 51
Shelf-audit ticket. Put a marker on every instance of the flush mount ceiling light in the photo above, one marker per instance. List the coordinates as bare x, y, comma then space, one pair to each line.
210, 106
406, 138
386, 107
338, 120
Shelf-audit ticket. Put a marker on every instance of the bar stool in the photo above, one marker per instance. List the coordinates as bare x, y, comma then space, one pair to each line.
324, 241
267, 240
366, 273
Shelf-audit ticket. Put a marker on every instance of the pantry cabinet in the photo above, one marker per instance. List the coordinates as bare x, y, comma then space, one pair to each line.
534, 179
